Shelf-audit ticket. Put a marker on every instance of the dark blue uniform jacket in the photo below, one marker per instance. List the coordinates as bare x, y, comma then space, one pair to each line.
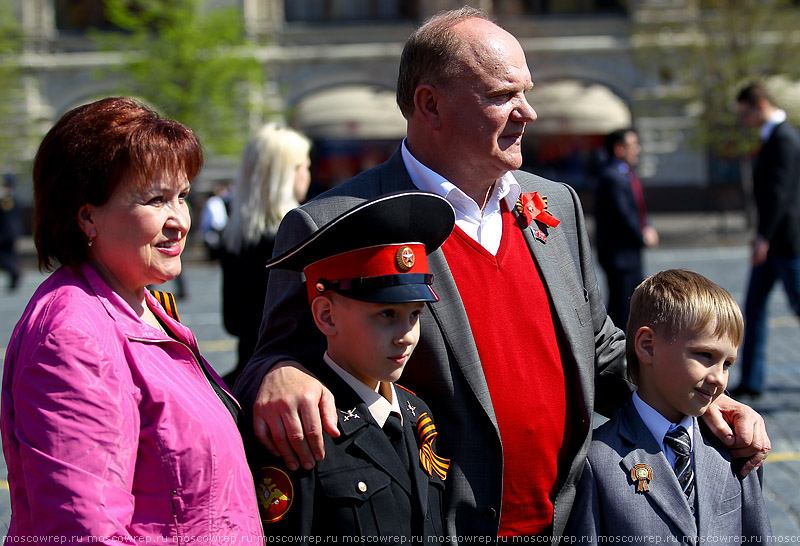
361, 488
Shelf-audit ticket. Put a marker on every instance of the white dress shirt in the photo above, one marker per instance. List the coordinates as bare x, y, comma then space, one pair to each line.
659, 426
777, 117
485, 227
379, 407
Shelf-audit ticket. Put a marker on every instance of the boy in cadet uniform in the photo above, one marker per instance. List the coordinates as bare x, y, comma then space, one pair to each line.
367, 283
654, 472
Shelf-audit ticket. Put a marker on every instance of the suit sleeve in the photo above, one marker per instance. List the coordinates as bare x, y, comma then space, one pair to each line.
756, 528
584, 524
77, 425
781, 180
611, 387
287, 327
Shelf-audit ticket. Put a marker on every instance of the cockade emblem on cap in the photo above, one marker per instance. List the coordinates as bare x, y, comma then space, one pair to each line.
404, 259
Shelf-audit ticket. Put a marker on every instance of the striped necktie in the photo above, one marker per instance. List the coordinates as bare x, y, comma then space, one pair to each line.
679, 442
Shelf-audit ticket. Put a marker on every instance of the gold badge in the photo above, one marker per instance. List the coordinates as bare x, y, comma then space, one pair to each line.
275, 493
643, 474
404, 259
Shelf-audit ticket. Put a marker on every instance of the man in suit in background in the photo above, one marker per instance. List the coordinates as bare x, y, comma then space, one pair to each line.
622, 225
519, 351
776, 248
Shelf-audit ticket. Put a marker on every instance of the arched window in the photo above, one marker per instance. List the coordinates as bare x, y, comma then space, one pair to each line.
323, 11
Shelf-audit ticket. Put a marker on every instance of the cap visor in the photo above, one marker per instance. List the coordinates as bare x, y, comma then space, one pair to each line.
404, 293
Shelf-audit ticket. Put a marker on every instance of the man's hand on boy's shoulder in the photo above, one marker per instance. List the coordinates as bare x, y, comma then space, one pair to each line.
290, 414
749, 441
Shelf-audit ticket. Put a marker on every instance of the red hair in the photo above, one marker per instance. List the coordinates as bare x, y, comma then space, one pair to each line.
89, 153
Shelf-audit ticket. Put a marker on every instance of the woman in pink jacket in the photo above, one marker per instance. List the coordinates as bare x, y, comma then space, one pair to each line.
114, 428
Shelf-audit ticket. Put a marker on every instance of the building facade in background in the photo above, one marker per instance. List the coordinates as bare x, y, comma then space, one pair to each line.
332, 67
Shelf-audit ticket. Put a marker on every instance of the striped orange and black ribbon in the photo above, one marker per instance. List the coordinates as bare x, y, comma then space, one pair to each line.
430, 461
167, 301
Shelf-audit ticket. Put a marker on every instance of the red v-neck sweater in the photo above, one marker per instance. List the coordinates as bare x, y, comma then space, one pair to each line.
509, 313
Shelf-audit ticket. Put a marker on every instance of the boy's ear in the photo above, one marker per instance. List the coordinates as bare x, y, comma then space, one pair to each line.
321, 309
644, 343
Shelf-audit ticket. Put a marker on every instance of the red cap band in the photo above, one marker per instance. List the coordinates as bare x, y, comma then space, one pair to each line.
375, 261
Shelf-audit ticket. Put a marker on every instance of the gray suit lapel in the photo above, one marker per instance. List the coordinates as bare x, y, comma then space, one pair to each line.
709, 473
665, 492
452, 318
548, 257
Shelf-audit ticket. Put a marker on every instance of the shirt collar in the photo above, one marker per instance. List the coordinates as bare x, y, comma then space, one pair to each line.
777, 117
427, 180
659, 425
378, 406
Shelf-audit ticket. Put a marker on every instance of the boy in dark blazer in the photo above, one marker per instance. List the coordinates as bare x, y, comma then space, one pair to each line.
654, 473
367, 282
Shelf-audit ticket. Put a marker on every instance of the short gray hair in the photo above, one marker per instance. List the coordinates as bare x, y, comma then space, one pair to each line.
431, 54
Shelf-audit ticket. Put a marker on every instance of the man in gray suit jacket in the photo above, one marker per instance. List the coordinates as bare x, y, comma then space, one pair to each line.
462, 89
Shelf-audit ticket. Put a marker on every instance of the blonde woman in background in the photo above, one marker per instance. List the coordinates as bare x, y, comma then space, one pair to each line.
273, 179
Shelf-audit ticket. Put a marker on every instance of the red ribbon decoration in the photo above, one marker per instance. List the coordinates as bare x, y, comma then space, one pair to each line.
533, 207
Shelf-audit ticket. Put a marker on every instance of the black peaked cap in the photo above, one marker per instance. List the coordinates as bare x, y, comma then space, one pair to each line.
396, 218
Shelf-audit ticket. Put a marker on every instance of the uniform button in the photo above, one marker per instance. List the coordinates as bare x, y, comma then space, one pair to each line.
362, 487
489, 514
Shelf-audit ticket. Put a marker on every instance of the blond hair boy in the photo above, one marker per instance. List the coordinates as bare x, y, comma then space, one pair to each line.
654, 473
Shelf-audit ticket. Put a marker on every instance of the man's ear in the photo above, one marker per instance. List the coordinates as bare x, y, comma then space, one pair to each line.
321, 309
426, 103
86, 222
644, 342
